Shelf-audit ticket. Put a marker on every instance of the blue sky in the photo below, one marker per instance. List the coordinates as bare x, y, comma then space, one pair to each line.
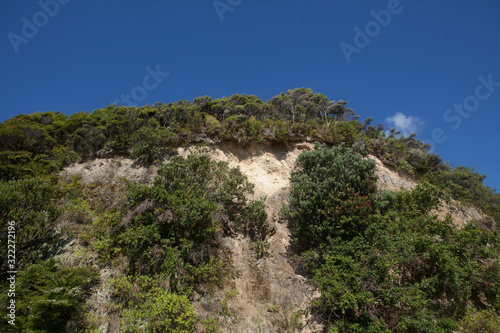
403, 63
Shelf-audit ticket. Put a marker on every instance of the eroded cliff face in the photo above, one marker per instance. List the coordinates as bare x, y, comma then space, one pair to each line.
266, 293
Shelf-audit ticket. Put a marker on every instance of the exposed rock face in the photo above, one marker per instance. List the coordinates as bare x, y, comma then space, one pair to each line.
389, 179
111, 171
266, 291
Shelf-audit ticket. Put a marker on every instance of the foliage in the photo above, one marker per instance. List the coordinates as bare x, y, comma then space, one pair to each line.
253, 221
174, 226
485, 321
380, 261
79, 211
328, 179
148, 307
152, 144
40, 144
29, 203
49, 296
210, 325
466, 185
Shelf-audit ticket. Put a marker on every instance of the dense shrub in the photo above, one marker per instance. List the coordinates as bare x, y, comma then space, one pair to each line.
152, 144
48, 297
30, 204
329, 189
466, 185
174, 226
148, 307
39, 145
380, 261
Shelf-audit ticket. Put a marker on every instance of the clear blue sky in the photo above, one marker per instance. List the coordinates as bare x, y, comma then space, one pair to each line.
419, 61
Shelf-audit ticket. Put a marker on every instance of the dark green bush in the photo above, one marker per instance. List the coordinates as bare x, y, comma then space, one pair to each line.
324, 178
30, 204
48, 297
152, 144
380, 261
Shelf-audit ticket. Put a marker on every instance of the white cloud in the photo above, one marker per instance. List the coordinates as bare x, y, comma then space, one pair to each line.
405, 124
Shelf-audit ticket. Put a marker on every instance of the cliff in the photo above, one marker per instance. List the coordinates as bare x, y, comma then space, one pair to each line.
266, 289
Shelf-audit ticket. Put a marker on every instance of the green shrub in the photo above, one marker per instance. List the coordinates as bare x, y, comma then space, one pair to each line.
79, 211
175, 225
379, 260
148, 307
325, 177
152, 144
212, 125
29, 203
485, 321
253, 221
211, 325
48, 296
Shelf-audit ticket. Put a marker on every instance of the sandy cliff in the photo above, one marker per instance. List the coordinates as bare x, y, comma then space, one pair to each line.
267, 291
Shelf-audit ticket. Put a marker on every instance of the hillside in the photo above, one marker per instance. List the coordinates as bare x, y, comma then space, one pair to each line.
223, 215
261, 282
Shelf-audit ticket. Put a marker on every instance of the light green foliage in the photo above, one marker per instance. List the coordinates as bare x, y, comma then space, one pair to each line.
466, 185
147, 307
29, 145
485, 321
79, 211
272, 307
212, 125
243, 129
47, 297
210, 325
253, 130
260, 247
405, 168
345, 132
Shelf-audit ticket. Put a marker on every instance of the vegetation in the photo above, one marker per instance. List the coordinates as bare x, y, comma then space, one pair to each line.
49, 297
169, 233
40, 144
147, 307
380, 261
28, 203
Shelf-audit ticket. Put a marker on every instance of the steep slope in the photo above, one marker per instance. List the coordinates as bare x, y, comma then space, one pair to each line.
266, 293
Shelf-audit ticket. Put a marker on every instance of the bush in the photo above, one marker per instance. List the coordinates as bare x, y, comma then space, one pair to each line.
212, 126
174, 226
49, 296
253, 221
380, 261
325, 177
485, 321
29, 203
152, 144
148, 307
